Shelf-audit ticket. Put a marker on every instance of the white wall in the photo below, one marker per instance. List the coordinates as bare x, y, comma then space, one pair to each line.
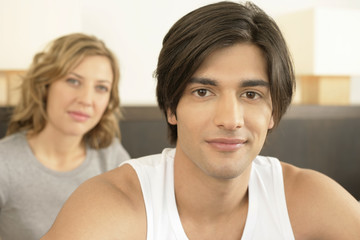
337, 46
27, 26
323, 41
133, 29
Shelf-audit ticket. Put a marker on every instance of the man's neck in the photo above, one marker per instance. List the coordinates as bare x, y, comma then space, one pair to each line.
208, 203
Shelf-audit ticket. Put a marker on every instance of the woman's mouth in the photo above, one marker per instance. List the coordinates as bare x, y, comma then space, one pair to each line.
79, 116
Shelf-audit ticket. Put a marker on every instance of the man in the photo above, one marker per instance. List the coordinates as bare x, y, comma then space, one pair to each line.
225, 79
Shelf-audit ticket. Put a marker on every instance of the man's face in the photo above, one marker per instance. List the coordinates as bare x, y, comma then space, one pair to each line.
225, 112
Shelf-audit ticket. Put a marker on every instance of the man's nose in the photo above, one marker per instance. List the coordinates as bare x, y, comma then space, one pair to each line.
229, 113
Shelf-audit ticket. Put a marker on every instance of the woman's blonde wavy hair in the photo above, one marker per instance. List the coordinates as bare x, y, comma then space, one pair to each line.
55, 62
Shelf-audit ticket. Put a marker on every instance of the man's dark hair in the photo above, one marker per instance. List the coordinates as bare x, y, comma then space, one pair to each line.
201, 32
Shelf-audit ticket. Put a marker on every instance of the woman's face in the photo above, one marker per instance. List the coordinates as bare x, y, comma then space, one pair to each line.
76, 102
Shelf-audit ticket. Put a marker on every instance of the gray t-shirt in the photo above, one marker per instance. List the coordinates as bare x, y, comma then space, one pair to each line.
31, 195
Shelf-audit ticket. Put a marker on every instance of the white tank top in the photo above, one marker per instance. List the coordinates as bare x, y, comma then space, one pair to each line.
267, 214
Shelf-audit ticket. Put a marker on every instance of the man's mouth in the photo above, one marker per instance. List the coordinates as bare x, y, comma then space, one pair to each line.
227, 144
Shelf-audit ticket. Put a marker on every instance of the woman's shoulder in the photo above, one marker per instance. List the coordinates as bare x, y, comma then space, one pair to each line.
112, 156
13, 146
113, 200
115, 149
117, 146
13, 140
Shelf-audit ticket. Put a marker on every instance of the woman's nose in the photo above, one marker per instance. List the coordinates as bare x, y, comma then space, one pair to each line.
85, 96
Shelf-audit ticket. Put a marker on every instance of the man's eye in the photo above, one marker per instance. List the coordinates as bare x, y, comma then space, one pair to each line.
251, 95
201, 92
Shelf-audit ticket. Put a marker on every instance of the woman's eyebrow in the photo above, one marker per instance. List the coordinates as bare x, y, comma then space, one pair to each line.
105, 81
75, 74
81, 77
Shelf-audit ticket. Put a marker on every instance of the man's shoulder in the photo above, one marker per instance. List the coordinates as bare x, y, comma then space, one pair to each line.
119, 187
308, 182
311, 188
122, 180
318, 206
103, 207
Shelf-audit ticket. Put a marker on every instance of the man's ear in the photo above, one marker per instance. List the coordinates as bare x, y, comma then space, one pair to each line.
171, 117
271, 122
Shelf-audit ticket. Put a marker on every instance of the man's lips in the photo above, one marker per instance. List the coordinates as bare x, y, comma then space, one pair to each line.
79, 116
226, 144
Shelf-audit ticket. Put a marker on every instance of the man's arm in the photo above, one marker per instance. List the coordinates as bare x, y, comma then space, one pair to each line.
109, 206
320, 208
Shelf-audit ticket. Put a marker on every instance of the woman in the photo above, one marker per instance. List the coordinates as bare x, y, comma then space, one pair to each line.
63, 131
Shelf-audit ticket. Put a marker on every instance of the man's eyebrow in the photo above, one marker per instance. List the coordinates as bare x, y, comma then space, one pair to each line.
204, 81
243, 84
254, 83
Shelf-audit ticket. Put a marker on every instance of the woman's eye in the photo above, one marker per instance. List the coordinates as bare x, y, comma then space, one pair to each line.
73, 81
102, 88
202, 92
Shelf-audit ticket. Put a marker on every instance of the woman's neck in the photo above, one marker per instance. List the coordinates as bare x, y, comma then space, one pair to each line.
56, 151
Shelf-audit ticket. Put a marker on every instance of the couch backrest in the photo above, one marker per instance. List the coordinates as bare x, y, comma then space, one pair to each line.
323, 138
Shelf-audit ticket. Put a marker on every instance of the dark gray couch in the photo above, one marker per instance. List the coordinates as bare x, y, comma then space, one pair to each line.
323, 138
